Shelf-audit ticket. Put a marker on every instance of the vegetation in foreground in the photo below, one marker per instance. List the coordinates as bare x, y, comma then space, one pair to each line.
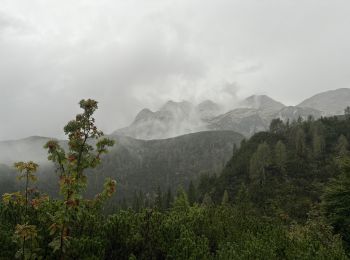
285, 194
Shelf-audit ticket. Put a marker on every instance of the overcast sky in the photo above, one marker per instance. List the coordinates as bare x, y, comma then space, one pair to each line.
134, 54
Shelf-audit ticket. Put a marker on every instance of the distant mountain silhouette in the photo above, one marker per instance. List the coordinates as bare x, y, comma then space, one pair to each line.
251, 115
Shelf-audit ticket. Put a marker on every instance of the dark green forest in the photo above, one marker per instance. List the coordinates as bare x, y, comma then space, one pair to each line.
284, 194
139, 166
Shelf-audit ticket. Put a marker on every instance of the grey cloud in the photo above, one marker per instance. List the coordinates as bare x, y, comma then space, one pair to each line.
135, 54
9, 23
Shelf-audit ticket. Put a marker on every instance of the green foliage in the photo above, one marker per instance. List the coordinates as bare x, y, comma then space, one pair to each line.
314, 241
277, 126
56, 225
71, 165
347, 112
26, 234
143, 166
285, 172
225, 198
181, 202
192, 194
300, 145
336, 201
264, 205
189, 246
281, 155
259, 162
207, 201
159, 201
168, 199
342, 146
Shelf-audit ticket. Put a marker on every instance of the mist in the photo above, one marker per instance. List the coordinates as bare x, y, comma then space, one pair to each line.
129, 55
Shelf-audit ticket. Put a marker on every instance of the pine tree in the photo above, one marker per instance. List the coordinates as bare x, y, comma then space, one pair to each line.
347, 112
280, 155
142, 199
318, 145
235, 149
342, 146
136, 203
242, 200
276, 126
168, 199
259, 162
159, 204
299, 120
181, 201
207, 201
225, 199
300, 144
192, 193
243, 143
310, 118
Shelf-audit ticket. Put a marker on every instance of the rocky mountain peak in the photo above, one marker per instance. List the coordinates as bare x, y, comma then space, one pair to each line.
262, 102
173, 106
208, 109
331, 102
252, 115
143, 115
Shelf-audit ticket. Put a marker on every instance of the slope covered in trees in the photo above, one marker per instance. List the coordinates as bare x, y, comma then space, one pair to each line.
140, 165
283, 195
137, 165
291, 172
287, 168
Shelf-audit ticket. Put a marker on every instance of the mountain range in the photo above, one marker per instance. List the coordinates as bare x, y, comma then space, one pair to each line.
172, 119
201, 141
251, 115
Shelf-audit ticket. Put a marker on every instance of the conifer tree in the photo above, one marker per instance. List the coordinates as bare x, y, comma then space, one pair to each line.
192, 193
342, 146
242, 200
207, 201
168, 199
300, 144
136, 202
235, 149
159, 203
318, 145
347, 112
280, 155
276, 126
259, 162
225, 199
181, 201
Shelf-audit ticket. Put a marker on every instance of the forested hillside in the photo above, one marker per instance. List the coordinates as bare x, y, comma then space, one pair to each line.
286, 169
284, 194
137, 165
169, 163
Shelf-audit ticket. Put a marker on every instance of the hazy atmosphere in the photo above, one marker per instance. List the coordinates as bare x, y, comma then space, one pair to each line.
222, 129
134, 54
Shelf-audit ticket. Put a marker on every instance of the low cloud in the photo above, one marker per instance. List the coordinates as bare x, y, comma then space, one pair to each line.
132, 54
